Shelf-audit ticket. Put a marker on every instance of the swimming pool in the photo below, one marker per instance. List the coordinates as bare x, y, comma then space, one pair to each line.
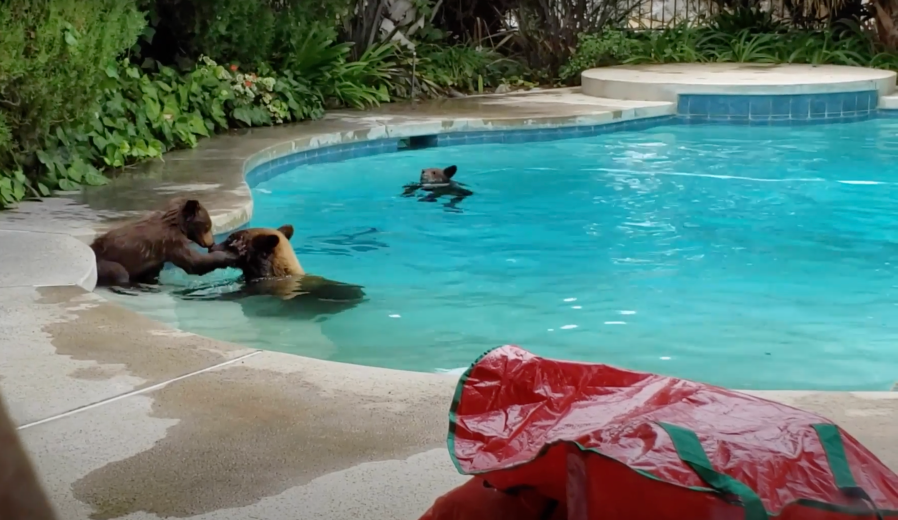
751, 257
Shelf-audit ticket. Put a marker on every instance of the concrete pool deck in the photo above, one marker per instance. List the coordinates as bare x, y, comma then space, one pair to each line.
127, 418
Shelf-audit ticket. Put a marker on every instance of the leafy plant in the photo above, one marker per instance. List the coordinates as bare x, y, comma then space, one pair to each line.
743, 47
610, 47
142, 114
247, 32
53, 54
681, 43
465, 68
768, 41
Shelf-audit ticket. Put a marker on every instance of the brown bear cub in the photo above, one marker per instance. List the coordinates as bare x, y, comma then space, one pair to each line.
437, 182
135, 253
270, 267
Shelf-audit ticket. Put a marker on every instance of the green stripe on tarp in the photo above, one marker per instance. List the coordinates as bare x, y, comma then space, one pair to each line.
691, 452
831, 440
834, 447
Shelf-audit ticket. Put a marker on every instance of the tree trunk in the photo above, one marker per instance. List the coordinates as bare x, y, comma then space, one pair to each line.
886, 22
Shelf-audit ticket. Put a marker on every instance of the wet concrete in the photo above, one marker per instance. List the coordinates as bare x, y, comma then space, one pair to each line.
259, 433
104, 333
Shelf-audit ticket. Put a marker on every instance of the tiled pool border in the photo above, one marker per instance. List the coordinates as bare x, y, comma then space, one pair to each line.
366, 148
264, 170
820, 107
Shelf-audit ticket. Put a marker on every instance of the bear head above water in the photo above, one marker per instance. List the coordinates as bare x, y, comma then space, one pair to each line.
263, 252
270, 267
431, 176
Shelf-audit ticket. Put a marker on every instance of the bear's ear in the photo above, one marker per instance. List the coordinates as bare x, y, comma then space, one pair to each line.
190, 209
286, 230
450, 171
265, 242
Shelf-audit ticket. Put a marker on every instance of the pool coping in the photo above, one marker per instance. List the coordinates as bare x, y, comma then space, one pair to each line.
61, 410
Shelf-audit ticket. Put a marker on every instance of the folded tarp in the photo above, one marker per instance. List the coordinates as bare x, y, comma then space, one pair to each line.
615, 444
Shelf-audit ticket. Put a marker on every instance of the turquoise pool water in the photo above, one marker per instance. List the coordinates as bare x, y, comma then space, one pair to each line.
751, 257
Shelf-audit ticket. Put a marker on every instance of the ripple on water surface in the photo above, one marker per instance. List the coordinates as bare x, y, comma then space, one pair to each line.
748, 257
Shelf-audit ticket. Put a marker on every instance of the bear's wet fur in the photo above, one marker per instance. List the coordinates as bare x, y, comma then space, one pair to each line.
437, 182
135, 253
270, 267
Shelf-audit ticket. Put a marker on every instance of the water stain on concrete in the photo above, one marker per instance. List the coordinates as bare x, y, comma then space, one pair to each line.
95, 373
246, 434
111, 335
869, 420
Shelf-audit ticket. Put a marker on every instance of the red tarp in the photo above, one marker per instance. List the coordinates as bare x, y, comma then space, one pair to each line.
614, 444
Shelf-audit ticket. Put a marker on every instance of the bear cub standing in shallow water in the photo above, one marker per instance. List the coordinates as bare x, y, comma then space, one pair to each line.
135, 253
437, 182
270, 267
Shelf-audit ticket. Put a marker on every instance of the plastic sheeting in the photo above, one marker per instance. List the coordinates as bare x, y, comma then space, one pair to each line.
614, 444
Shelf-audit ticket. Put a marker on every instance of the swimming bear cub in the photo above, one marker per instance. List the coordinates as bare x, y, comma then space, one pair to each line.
270, 267
437, 182
135, 253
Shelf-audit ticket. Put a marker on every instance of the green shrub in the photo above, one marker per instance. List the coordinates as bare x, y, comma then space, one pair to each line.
317, 58
467, 68
141, 115
610, 47
53, 54
741, 36
248, 32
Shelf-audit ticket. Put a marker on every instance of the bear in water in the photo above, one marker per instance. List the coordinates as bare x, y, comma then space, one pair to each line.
270, 268
436, 182
135, 253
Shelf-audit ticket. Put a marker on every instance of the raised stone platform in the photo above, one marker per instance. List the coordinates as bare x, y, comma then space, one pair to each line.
665, 82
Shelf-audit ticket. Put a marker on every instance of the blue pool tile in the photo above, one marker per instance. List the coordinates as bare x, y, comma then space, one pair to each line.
781, 105
739, 106
849, 102
760, 106
699, 105
863, 101
834, 105
818, 107
718, 106
801, 107
318, 158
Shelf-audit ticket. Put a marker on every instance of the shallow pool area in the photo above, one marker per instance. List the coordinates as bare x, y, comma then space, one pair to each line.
751, 257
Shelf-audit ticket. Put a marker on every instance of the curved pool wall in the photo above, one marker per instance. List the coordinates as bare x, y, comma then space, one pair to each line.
785, 109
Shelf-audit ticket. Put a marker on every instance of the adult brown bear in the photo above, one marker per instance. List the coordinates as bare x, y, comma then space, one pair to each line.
136, 252
270, 268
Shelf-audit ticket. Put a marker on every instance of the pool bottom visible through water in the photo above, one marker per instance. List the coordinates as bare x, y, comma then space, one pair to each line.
750, 257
